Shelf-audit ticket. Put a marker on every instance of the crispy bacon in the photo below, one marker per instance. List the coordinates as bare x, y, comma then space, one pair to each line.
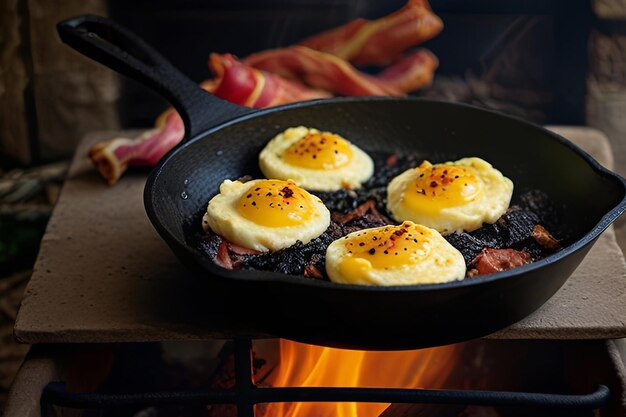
544, 238
311, 271
222, 257
326, 71
112, 157
380, 41
240, 250
367, 208
491, 260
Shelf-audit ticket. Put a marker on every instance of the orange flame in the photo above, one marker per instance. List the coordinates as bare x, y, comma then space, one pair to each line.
316, 366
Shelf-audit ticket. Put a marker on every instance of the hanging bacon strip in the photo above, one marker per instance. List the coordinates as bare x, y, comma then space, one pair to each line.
325, 71
380, 41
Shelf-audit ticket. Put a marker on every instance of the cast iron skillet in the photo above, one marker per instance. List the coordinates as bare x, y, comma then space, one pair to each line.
223, 140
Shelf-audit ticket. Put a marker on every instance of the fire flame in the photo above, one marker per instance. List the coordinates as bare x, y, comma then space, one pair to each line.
316, 366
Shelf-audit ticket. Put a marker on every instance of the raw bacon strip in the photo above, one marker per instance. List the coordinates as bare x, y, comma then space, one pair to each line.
112, 157
234, 82
325, 71
380, 41
247, 86
491, 260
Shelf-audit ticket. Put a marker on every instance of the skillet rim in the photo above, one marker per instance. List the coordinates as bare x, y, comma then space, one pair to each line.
257, 277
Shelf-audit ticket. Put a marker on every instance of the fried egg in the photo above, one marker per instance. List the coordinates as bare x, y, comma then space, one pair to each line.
316, 161
394, 255
266, 215
450, 197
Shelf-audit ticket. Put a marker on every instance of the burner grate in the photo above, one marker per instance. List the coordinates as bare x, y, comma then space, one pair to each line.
245, 395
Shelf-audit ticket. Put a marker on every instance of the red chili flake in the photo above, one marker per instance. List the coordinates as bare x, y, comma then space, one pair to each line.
433, 184
287, 192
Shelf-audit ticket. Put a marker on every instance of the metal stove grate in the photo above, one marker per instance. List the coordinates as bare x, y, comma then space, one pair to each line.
245, 394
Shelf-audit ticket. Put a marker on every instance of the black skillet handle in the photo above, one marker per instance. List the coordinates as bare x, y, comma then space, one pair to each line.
120, 49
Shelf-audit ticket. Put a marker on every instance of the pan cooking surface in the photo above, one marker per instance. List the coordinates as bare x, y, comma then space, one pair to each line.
512, 231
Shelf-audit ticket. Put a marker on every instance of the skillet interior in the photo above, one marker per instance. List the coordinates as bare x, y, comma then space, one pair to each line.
532, 157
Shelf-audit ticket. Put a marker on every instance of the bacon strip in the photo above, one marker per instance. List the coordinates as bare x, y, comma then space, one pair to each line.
380, 41
247, 86
276, 77
491, 260
222, 257
234, 82
325, 71
367, 208
112, 157
544, 238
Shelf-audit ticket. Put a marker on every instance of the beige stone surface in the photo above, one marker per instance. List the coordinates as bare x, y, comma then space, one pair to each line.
606, 97
104, 275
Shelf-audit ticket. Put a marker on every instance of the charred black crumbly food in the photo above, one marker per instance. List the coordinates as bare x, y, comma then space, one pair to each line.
526, 232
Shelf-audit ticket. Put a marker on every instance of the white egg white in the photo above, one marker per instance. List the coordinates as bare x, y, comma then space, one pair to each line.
349, 176
492, 202
223, 218
433, 261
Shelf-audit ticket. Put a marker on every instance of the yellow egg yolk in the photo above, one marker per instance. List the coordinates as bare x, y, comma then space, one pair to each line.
276, 203
441, 186
384, 248
322, 150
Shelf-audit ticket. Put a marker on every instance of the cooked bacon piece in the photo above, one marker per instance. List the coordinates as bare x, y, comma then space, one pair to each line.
491, 260
240, 250
222, 257
544, 238
311, 271
247, 86
112, 157
392, 160
380, 41
368, 207
327, 72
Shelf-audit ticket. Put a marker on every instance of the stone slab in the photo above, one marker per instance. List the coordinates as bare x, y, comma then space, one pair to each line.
104, 275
